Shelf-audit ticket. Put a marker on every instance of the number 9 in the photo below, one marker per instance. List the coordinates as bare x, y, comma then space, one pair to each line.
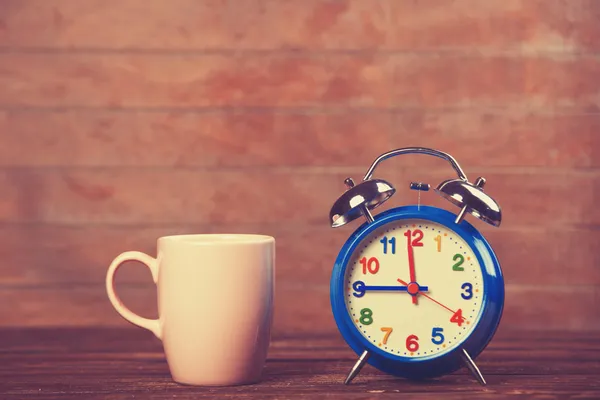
359, 289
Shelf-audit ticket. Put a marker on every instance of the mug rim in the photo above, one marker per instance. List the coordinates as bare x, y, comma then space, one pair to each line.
212, 239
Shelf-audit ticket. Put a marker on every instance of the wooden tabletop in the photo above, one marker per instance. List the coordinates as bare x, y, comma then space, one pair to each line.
109, 363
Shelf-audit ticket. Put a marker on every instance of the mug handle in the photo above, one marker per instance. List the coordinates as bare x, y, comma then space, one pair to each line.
152, 325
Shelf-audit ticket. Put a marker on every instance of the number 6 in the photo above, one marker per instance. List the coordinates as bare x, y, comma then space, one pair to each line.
411, 343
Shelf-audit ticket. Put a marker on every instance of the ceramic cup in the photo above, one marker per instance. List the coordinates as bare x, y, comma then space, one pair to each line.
215, 305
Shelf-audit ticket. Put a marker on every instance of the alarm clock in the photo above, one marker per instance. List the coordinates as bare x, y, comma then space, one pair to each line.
416, 291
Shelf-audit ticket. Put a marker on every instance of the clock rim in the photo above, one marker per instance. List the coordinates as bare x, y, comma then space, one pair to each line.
489, 316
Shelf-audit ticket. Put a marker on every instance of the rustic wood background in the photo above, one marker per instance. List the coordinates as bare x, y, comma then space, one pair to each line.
125, 120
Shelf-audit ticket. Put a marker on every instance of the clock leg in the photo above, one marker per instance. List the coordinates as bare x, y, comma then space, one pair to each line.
362, 360
473, 367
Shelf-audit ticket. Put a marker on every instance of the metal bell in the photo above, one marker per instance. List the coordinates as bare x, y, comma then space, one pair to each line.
472, 199
358, 200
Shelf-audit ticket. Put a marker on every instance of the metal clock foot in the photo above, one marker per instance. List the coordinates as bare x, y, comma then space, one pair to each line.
473, 367
362, 360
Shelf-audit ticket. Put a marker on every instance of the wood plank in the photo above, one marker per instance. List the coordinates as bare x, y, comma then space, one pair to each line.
69, 24
151, 196
501, 138
547, 256
159, 196
193, 80
297, 138
522, 25
194, 25
298, 80
207, 139
552, 308
311, 25
38, 255
113, 363
289, 380
299, 309
476, 81
538, 25
542, 346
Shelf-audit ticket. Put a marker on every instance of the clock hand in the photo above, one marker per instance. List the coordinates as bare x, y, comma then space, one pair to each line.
360, 288
411, 263
432, 299
396, 288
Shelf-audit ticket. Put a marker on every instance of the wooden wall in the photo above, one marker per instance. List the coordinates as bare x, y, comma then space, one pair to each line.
121, 121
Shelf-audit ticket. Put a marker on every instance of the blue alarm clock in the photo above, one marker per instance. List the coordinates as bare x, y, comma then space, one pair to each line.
416, 291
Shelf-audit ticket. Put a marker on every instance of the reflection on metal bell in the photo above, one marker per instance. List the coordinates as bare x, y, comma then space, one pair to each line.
358, 200
472, 199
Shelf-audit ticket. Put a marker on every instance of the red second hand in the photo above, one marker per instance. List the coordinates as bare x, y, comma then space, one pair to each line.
411, 263
430, 298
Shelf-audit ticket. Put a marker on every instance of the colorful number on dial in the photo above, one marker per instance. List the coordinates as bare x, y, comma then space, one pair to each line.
359, 288
438, 240
461, 260
437, 337
371, 265
392, 242
366, 316
387, 331
412, 343
457, 317
468, 291
417, 236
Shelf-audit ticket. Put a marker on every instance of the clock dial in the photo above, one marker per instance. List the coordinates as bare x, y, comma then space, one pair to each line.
414, 288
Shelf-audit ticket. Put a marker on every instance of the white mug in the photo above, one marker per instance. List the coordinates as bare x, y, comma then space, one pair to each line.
215, 305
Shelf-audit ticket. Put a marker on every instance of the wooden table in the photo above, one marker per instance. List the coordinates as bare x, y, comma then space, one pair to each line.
108, 363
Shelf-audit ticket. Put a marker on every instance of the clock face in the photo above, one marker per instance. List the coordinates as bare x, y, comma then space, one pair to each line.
414, 288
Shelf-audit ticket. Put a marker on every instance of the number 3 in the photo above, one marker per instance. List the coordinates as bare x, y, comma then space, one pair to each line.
468, 288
